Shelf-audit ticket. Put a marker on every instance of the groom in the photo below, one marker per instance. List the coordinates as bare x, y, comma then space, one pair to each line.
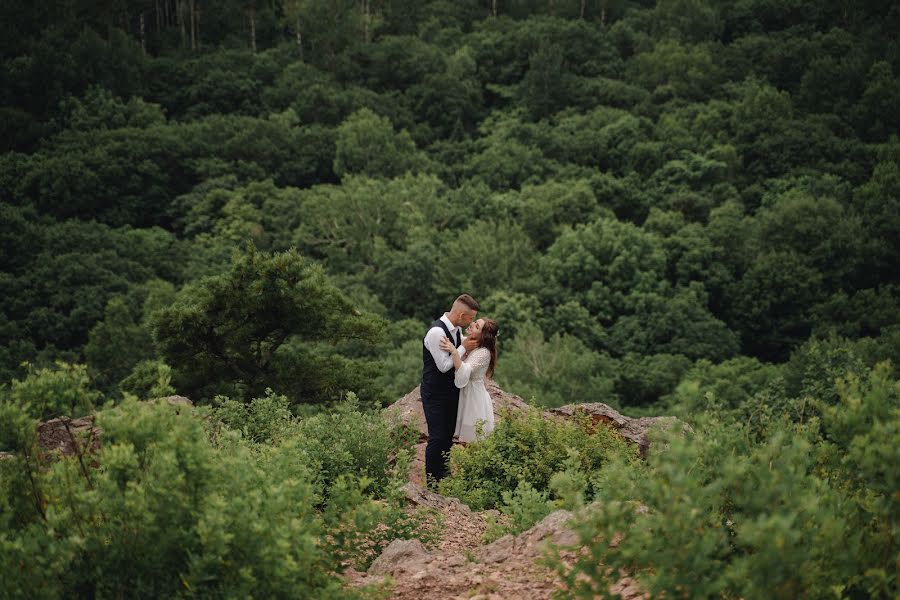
440, 396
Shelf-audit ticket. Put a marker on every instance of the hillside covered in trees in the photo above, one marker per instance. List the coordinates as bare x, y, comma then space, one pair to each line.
685, 206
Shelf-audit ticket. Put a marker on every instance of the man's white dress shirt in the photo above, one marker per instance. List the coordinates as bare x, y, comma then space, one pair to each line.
433, 339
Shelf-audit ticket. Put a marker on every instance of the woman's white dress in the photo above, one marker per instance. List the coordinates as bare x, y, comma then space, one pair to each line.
474, 401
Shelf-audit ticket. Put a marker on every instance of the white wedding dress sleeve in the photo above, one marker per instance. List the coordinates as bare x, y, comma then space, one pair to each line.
476, 411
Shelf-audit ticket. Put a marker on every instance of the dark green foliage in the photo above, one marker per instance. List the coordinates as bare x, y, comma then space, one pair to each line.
679, 205
232, 333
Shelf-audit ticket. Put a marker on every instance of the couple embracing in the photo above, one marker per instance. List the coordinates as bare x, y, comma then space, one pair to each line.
453, 394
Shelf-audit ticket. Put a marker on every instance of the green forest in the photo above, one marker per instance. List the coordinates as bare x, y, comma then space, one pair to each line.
674, 207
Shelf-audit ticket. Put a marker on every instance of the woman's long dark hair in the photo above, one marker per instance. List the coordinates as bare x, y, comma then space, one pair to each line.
489, 333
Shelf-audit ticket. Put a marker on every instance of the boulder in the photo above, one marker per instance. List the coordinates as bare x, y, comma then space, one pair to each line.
408, 410
632, 429
399, 554
420, 496
69, 436
552, 529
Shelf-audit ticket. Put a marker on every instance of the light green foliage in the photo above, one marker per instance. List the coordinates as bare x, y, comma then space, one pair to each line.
525, 448
264, 419
61, 390
555, 370
484, 257
523, 507
727, 385
603, 263
148, 379
717, 514
674, 69
368, 145
171, 512
168, 513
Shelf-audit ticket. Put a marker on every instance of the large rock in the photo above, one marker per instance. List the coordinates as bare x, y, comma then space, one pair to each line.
552, 529
399, 554
408, 410
632, 429
421, 496
69, 436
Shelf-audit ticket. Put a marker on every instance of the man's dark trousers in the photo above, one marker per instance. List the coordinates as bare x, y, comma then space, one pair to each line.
440, 400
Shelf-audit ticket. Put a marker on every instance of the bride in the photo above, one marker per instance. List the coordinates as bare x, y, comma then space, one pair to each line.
474, 401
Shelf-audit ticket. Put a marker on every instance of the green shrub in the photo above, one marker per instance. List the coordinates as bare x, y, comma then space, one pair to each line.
64, 390
168, 514
261, 420
149, 379
795, 515
523, 507
526, 448
349, 440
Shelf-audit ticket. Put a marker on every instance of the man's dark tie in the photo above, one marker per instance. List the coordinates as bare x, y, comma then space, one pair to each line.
458, 342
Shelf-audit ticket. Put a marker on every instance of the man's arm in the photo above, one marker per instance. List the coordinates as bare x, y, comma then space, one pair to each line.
442, 359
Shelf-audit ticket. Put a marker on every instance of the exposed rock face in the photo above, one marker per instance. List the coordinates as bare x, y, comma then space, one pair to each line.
552, 529
633, 430
177, 401
69, 436
420, 496
408, 410
506, 568
399, 553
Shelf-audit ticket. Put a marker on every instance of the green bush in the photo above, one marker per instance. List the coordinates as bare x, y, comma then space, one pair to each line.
808, 512
261, 420
349, 440
526, 448
63, 390
167, 514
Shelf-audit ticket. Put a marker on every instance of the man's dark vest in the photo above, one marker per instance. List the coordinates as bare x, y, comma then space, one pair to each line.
435, 383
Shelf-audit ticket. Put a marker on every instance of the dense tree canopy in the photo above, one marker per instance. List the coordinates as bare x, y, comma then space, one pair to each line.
686, 207
690, 179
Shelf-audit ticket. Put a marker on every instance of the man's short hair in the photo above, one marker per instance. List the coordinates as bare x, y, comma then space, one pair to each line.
468, 301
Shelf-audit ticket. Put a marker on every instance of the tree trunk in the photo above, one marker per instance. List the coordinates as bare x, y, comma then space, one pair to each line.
494, 8
143, 36
365, 7
253, 28
193, 27
583, 5
197, 25
299, 39
156, 5
179, 13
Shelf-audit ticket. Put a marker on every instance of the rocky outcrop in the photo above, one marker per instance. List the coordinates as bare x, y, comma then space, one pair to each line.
632, 429
417, 495
408, 410
69, 437
552, 529
507, 568
399, 553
